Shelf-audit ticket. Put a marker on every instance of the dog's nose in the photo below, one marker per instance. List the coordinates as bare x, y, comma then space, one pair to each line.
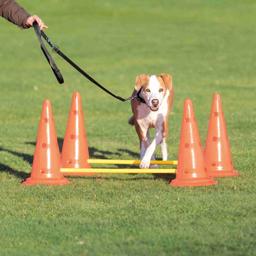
155, 102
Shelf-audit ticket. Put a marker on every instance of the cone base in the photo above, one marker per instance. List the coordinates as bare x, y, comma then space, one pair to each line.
231, 173
195, 182
30, 181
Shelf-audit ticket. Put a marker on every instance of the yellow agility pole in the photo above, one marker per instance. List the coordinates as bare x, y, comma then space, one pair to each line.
130, 162
114, 171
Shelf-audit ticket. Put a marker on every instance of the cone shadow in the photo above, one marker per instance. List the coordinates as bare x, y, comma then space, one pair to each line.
94, 153
25, 157
12, 171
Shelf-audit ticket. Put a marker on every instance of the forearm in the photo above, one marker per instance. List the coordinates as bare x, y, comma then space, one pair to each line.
13, 12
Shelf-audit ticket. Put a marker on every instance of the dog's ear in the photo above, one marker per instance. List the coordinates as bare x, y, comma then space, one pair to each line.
140, 81
167, 79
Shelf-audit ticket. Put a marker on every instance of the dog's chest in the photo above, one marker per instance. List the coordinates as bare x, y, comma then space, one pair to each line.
149, 118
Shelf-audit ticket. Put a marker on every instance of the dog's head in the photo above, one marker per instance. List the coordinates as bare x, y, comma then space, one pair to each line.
153, 89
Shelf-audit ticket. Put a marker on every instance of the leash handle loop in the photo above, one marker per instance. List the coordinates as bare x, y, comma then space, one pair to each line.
48, 57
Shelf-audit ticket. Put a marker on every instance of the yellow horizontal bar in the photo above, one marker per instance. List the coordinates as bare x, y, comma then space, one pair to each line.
119, 171
131, 162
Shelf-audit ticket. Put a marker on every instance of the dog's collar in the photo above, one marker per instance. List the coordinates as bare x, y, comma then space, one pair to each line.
138, 97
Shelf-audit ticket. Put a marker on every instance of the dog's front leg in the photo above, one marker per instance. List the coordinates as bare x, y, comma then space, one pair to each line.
164, 149
144, 143
145, 162
163, 143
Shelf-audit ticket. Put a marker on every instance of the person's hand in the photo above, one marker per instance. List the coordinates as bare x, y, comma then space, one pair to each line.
30, 20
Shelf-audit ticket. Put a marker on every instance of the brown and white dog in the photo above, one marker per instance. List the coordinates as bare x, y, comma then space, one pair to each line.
151, 104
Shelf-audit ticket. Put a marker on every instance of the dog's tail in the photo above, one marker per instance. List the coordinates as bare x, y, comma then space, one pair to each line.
131, 120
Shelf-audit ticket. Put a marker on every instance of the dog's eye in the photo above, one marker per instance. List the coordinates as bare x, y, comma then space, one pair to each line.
147, 90
161, 90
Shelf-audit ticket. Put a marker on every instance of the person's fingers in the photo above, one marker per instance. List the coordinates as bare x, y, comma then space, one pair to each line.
34, 18
40, 22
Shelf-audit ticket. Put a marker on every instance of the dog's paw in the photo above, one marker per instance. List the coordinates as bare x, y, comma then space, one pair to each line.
144, 164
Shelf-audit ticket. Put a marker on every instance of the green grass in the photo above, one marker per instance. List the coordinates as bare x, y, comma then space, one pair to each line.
207, 46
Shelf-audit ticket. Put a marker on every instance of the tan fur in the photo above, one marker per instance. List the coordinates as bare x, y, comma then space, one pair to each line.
167, 79
141, 80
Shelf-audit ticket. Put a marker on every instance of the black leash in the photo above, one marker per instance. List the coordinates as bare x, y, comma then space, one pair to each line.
40, 34
49, 58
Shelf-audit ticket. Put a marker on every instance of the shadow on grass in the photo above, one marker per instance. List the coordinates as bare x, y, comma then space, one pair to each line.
131, 177
166, 177
94, 153
19, 174
129, 152
25, 157
13, 172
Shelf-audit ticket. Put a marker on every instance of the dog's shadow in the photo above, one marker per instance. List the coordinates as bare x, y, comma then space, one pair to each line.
163, 176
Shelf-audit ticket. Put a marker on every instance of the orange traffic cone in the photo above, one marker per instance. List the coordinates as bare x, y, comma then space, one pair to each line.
217, 150
46, 163
190, 170
75, 152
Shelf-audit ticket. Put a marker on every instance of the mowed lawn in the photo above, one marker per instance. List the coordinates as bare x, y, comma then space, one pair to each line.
207, 46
